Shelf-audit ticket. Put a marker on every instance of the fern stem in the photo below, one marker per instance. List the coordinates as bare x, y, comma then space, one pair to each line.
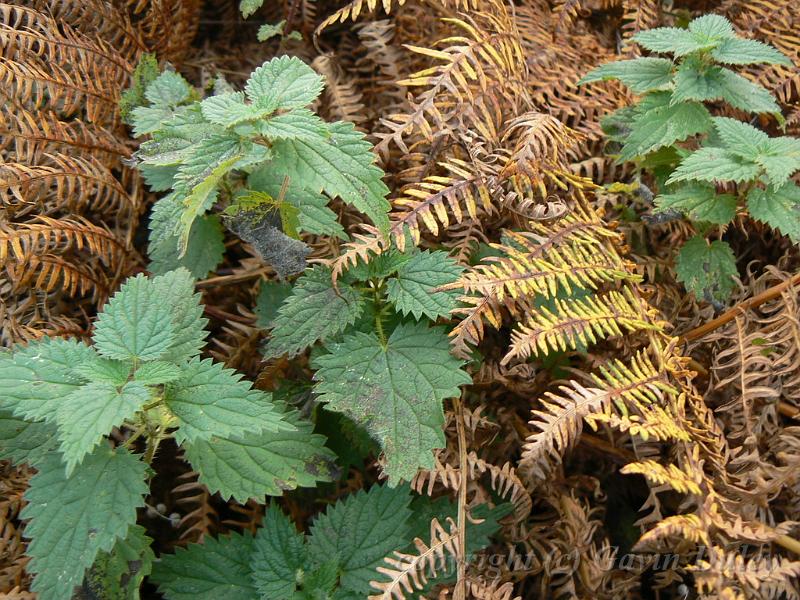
461, 578
741, 308
790, 544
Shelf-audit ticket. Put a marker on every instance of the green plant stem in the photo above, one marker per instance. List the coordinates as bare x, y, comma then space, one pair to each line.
152, 445
380, 307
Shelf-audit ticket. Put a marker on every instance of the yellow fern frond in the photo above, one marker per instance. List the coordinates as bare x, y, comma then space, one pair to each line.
570, 253
629, 387
539, 161
688, 527
671, 475
439, 199
577, 322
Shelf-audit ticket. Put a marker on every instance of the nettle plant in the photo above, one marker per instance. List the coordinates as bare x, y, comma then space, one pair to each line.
80, 414
77, 413
260, 157
707, 168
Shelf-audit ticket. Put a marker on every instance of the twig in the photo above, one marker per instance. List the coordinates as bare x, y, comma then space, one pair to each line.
739, 309
233, 278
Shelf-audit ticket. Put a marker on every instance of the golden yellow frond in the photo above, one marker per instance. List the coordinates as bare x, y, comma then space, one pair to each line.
671, 475
574, 322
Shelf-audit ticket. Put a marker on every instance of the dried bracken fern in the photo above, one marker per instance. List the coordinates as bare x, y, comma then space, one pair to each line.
69, 206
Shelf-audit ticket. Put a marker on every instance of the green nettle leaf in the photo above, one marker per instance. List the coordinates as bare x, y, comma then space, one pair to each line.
737, 51
217, 569
36, 377
670, 40
284, 83
640, 74
712, 28
204, 250
413, 290
230, 109
165, 94
24, 442
157, 372
99, 369
744, 94
780, 159
279, 556
210, 400
394, 389
90, 412
168, 89
659, 123
270, 30
341, 165
778, 208
271, 296
176, 290
118, 575
134, 325
260, 464
314, 311
714, 165
704, 33
739, 137
204, 193
299, 123
360, 531
152, 318
699, 202
707, 269
72, 519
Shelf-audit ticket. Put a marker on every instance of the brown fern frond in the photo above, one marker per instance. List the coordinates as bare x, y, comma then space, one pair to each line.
21, 242
438, 199
343, 99
74, 184
767, 577
27, 136
98, 19
200, 518
639, 15
486, 56
495, 590
503, 481
540, 161
408, 573
351, 11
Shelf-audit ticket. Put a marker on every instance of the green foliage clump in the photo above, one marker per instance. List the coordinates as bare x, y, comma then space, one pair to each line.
63, 399
691, 154
261, 155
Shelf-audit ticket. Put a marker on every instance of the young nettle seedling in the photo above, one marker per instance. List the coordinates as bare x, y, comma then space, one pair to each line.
142, 377
706, 167
260, 154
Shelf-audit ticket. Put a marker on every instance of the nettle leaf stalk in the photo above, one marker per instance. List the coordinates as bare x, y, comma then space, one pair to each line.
707, 168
